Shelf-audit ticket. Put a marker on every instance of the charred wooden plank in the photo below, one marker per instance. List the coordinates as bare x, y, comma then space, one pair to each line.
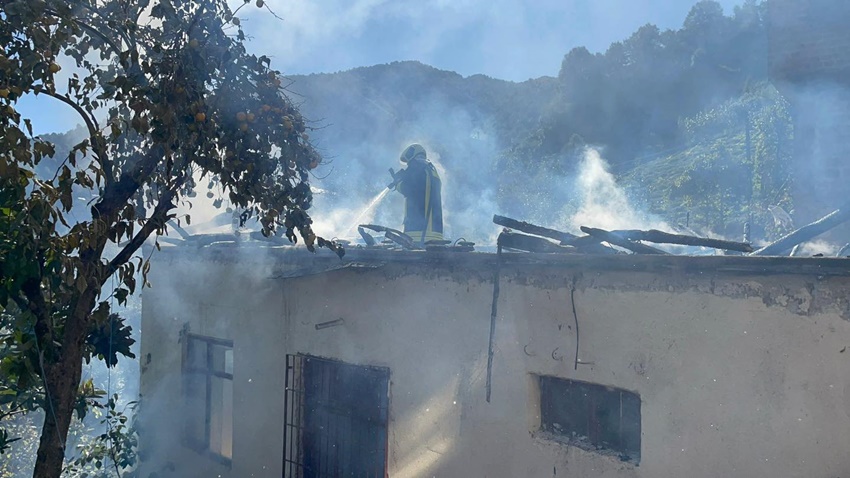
589, 245
524, 242
660, 237
618, 241
529, 228
585, 244
394, 235
806, 232
367, 238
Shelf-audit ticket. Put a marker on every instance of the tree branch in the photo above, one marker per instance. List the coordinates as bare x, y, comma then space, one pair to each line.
91, 30
37, 306
156, 221
93, 129
120, 191
17, 410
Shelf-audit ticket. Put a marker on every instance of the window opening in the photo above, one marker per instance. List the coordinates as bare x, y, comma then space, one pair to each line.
590, 416
208, 396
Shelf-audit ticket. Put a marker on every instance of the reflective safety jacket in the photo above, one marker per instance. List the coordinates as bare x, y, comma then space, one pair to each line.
423, 206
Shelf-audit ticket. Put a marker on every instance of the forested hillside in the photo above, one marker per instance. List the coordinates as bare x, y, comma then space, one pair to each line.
685, 93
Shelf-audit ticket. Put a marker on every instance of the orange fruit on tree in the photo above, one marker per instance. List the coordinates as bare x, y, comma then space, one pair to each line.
200, 117
54, 68
241, 116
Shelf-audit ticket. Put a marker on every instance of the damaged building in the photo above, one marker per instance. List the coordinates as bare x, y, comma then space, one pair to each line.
539, 359
260, 360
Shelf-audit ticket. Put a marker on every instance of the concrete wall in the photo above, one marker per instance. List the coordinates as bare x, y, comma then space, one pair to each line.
739, 375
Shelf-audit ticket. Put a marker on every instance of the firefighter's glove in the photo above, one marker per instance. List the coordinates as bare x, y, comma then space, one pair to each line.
397, 177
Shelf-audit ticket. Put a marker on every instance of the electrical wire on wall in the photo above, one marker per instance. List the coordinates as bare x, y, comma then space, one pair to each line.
493, 313
575, 317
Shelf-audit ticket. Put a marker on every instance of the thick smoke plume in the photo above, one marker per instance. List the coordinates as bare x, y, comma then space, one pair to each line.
603, 203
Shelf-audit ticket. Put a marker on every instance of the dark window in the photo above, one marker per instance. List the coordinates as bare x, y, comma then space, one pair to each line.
208, 394
593, 417
336, 419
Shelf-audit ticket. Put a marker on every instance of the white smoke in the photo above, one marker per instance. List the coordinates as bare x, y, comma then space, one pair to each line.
604, 204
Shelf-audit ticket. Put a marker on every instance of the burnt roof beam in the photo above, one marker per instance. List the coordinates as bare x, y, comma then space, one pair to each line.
805, 233
619, 241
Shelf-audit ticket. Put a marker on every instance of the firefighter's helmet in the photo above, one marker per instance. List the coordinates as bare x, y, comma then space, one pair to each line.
411, 152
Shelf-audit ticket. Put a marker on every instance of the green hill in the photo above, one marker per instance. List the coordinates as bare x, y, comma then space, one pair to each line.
734, 166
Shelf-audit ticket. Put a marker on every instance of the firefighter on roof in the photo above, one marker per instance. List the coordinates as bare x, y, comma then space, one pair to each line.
420, 185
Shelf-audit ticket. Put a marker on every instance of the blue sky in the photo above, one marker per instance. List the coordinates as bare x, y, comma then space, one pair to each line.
508, 39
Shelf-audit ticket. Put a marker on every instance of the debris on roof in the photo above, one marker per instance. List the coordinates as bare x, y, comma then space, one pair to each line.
806, 232
527, 237
600, 241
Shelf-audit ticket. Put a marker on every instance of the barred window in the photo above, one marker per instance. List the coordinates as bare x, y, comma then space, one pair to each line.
336, 419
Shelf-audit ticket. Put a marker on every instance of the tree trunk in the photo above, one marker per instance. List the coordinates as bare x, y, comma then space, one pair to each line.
62, 381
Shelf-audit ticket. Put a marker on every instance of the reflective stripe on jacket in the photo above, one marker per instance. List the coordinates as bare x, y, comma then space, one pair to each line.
423, 205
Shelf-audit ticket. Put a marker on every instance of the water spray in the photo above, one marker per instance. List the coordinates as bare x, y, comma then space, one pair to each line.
367, 211
374, 202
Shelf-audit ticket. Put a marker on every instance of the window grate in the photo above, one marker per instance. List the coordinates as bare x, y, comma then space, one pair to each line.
336, 417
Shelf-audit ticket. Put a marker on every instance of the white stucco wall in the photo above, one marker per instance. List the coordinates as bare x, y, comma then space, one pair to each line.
739, 374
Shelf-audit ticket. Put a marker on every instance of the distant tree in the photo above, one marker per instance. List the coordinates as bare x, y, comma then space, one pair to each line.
168, 95
577, 65
631, 98
704, 15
